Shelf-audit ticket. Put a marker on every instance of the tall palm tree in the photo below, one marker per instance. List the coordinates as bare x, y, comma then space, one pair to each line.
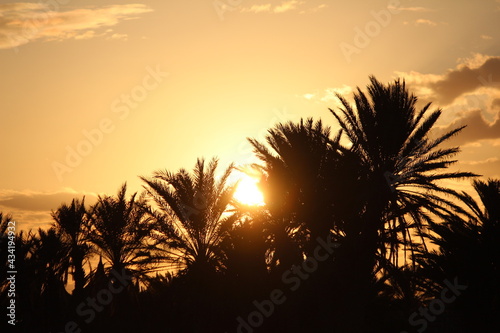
120, 231
70, 223
401, 160
191, 215
306, 177
403, 167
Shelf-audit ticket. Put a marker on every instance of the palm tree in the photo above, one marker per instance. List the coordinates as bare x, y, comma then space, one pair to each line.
468, 250
71, 224
306, 178
120, 232
49, 251
403, 167
402, 163
192, 221
191, 215
44, 272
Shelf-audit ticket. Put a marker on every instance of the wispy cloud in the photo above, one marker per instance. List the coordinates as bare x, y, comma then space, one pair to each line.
122, 37
329, 95
22, 23
258, 8
411, 9
285, 6
318, 8
486, 161
425, 22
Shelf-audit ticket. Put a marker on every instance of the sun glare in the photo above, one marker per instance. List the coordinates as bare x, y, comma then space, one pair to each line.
248, 192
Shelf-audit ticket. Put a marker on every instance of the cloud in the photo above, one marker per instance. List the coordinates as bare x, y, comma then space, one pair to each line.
409, 9
29, 220
486, 161
329, 95
87, 35
23, 23
31, 209
425, 22
41, 201
481, 157
487, 37
285, 6
467, 79
122, 37
318, 8
258, 8
413, 9
469, 94
475, 61
478, 75
478, 128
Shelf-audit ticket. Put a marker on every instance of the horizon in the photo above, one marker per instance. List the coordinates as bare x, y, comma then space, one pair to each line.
96, 93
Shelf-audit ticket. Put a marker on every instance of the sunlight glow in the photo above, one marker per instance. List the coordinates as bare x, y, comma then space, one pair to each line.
248, 192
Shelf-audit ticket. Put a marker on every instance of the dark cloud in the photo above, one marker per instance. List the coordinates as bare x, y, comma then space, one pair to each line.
40, 201
466, 79
477, 128
33, 210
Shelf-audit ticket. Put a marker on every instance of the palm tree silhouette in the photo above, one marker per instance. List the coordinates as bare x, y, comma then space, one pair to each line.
403, 166
307, 176
192, 221
190, 216
45, 274
120, 231
468, 250
70, 222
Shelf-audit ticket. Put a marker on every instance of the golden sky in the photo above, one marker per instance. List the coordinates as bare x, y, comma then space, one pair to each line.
96, 93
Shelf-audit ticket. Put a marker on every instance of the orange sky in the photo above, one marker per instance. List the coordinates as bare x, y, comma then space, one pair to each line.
95, 93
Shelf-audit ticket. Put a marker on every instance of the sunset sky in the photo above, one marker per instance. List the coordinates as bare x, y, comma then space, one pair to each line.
96, 93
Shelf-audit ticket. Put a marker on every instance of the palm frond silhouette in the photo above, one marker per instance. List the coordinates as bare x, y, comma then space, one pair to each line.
190, 215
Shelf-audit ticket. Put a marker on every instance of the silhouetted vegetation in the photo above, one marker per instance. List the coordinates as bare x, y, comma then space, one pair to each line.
358, 233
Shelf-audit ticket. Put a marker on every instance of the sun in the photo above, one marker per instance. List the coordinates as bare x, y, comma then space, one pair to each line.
248, 192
